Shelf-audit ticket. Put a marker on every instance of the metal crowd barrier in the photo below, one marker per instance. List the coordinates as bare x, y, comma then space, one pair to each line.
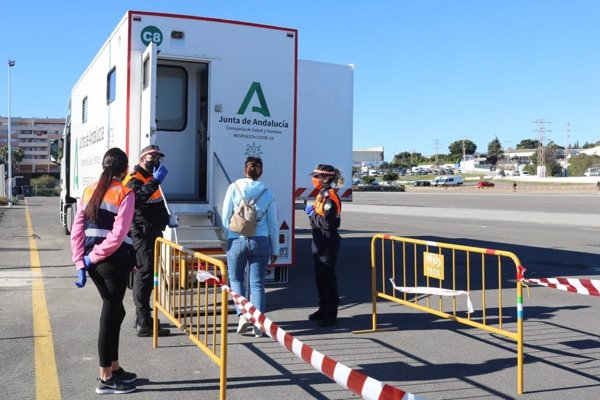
409, 271
198, 309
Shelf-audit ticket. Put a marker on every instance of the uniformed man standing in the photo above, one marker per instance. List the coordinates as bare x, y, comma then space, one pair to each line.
149, 221
325, 220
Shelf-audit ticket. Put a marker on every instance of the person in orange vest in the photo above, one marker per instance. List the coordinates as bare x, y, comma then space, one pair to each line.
102, 247
149, 221
325, 218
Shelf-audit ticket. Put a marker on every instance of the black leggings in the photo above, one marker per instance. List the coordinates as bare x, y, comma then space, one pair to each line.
110, 277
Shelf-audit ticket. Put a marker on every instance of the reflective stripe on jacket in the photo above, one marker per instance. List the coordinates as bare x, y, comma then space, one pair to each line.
96, 232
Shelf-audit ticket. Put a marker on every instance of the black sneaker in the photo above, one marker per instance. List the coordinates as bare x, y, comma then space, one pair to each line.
145, 331
113, 386
124, 376
316, 316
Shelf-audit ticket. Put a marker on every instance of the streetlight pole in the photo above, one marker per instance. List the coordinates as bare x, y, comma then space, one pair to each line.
11, 64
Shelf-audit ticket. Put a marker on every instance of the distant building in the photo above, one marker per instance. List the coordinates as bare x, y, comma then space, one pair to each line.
591, 151
372, 157
33, 135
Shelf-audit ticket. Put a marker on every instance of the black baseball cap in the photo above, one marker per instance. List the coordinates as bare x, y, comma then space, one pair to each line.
152, 149
323, 170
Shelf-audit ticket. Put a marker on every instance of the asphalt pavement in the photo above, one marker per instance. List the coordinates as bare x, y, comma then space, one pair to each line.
424, 355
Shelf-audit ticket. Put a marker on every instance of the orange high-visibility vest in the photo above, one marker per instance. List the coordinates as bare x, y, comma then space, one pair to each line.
320, 202
96, 232
156, 196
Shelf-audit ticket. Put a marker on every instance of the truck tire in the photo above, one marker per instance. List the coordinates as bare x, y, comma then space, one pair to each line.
70, 212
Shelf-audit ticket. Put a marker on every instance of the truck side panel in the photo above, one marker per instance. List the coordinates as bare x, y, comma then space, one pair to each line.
325, 113
98, 113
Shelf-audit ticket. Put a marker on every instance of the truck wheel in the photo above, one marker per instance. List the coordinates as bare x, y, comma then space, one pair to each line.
69, 219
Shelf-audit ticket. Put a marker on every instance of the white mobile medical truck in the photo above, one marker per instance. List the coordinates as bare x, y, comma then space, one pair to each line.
209, 93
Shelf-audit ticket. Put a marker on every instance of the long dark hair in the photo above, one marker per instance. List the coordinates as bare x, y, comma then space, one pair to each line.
114, 164
253, 168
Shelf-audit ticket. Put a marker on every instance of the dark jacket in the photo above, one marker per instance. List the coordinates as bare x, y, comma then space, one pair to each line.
150, 212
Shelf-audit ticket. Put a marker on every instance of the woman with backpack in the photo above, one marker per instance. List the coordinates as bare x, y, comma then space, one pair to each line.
253, 239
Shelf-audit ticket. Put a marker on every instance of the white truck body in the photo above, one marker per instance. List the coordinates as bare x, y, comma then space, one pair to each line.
325, 114
209, 93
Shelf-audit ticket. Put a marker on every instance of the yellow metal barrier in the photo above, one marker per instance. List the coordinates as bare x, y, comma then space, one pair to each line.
198, 309
423, 268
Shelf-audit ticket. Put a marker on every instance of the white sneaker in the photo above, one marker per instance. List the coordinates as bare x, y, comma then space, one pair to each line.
243, 325
258, 332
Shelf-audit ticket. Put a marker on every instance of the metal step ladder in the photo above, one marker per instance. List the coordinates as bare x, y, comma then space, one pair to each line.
199, 232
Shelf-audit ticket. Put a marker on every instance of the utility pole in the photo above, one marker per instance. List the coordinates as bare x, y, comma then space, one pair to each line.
436, 147
567, 138
11, 63
541, 131
507, 152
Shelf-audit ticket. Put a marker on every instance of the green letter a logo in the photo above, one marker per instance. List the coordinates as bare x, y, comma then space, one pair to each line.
263, 109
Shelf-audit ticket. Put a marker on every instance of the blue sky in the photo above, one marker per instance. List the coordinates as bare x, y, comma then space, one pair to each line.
427, 72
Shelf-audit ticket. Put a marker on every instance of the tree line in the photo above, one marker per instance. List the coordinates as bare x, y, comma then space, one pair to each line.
495, 156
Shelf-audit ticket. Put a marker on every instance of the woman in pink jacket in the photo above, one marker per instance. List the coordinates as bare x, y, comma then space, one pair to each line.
102, 246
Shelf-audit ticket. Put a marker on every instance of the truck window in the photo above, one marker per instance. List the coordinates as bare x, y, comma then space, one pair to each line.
84, 110
171, 98
111, 86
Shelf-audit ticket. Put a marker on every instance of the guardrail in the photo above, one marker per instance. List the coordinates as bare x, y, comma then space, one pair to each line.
198, 309
409, 271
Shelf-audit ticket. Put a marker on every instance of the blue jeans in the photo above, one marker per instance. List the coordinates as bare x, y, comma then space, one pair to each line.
254, 252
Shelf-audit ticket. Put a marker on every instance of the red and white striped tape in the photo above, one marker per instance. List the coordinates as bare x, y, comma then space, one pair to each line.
589, 287
302, 193
357, 382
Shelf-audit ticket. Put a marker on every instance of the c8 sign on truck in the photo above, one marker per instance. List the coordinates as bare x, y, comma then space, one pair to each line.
151, 34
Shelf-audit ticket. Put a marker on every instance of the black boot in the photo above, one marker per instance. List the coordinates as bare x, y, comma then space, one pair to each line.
145, 328
316, 316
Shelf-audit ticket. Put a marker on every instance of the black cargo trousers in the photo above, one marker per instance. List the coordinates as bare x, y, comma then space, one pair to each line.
325, 247
143, 280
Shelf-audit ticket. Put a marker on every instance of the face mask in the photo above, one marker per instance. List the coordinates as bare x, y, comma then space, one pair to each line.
317, 183
152, 164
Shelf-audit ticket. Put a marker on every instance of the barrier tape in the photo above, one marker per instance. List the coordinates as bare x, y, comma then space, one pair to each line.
589, 287
435, 291
357, 382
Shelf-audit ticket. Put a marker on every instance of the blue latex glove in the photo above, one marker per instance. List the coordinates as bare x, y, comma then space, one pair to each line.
87, 262
310, 210
173, 221
81, 278
159, 173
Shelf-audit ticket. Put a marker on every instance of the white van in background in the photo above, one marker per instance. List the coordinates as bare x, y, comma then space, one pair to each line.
451, 180
592, 171
436, 181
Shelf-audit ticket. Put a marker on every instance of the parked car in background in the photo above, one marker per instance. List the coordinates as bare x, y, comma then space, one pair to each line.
484, 184
422, 183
